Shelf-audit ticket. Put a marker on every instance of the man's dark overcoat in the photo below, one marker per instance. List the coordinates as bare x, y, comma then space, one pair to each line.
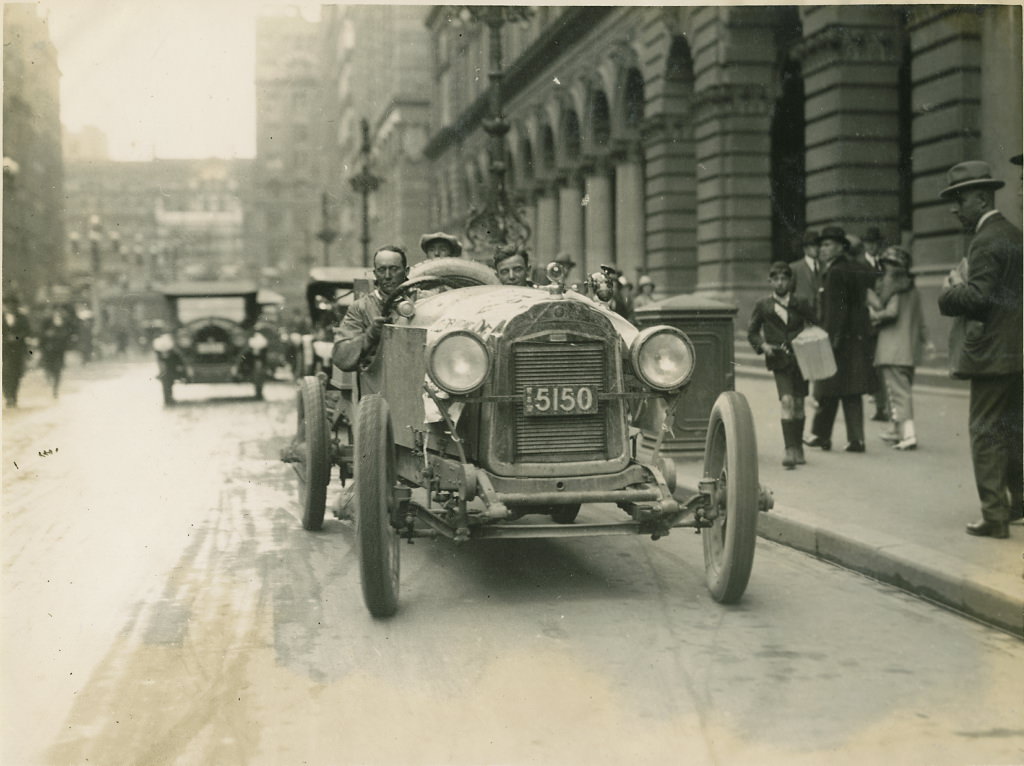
843, 314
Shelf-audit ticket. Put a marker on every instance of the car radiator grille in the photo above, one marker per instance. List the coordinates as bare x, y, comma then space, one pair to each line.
535, 364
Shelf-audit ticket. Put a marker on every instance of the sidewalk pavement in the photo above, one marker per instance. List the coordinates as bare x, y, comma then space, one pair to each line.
895, 516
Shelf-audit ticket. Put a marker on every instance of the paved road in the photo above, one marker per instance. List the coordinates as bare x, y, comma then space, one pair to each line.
161, 604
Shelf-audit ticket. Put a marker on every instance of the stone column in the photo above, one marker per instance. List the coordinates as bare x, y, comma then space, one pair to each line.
570, 226
546, 238
629, 213
599, 216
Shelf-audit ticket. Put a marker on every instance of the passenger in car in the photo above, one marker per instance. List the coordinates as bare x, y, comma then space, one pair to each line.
356, 338
440, 245
513, 269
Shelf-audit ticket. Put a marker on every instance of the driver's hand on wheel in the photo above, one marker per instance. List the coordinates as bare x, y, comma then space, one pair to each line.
374, 330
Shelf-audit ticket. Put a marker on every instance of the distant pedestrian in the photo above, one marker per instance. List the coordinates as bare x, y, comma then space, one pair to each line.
54, 340
843, 314
16, 332
869, 257
895, 309
440, 245
624, 301
807, 270
984, 296
774, 322
646, 295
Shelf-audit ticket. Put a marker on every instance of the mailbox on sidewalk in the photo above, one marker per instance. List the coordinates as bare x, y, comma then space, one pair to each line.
709, 325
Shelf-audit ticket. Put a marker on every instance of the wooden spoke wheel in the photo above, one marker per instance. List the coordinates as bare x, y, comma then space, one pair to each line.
312, 450
730, 457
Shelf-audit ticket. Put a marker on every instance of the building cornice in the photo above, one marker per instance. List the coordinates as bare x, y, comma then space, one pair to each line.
571, 26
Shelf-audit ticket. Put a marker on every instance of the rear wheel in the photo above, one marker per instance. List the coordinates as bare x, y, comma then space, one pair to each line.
565, 514
312, 450
730, 457
375, 497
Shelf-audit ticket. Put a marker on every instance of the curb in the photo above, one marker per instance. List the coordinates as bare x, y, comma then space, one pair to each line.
992, 598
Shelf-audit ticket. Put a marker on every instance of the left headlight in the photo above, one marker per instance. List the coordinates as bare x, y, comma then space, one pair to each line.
458, 362
662, 357
257, 341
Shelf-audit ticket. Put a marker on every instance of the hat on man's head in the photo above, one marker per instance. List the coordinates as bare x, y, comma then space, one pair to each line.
836, 234
811, 237
566, 259
973, 174
426, 239
1017, 159
873, 234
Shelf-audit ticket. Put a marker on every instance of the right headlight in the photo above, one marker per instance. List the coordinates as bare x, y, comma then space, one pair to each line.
458, 362
662, 357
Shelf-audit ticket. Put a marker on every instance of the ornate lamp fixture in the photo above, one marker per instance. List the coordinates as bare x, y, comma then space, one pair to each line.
498, 227
365, 183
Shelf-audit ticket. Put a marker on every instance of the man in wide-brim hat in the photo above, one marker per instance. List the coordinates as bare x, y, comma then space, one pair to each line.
984, 296
843, 314
440, 245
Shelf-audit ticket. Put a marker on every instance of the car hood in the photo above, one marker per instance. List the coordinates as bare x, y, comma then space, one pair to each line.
487, 309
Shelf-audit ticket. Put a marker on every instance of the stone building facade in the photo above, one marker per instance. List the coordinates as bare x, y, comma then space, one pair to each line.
33, 224
376, 66
695, 144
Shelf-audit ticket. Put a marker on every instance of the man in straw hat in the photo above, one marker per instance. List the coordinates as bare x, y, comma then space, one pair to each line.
440, 245
984, 296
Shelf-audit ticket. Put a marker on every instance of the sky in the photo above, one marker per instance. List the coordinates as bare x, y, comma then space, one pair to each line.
168, 79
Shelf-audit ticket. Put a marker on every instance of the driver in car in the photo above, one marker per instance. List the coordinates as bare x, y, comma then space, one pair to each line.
356, 338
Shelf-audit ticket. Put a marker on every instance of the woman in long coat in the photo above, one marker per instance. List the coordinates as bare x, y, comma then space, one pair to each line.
843, 311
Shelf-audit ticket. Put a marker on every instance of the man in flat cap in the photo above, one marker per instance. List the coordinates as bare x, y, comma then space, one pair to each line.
984, 296
843, 314
440, 245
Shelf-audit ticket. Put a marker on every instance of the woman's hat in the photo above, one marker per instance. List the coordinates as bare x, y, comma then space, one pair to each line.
426, 239
973, 174
897, 256
645, 280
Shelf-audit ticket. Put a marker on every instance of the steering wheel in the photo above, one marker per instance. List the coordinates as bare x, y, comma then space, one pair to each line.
451, 281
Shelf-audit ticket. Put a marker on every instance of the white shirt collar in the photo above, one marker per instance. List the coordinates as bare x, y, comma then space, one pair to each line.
812, 263
984, 218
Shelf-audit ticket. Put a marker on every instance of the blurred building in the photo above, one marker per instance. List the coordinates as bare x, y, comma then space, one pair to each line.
89, 143
286, 197
376, 63
33, 223
136, 224
697, 143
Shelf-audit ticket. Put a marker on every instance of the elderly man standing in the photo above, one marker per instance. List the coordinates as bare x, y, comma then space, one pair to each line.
843, 312
984, 295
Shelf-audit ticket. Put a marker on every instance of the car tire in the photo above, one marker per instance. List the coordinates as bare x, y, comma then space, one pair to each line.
565, 514
730, 457
312, 449
375, 481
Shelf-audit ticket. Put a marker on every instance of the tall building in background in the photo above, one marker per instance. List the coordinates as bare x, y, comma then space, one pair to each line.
285, 197
89, 143
376, 63
33, 223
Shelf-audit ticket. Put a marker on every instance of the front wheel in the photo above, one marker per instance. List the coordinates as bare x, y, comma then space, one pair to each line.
375, 497
730, 457
312, 452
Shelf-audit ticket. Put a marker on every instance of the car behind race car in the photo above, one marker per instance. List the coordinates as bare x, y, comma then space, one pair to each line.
211, 337
511, 407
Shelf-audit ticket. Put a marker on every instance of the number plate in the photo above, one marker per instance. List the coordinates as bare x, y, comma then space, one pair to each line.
559, 400
211, 347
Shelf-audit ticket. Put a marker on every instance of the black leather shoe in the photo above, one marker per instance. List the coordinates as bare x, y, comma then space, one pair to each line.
817, 441
855, 447
985, 528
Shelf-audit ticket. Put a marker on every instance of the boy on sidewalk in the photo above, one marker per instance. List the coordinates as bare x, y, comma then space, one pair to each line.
902, 338
774, 322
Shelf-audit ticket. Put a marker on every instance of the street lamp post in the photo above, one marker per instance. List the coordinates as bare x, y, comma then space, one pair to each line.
365, 183
326, 234
498, 227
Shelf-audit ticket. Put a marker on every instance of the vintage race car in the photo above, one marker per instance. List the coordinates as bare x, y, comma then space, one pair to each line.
211, 337
511, 407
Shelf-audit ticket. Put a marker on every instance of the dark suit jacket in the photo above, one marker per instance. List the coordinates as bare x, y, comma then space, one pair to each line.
843, 311
767, 327
988, 306
805, 283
